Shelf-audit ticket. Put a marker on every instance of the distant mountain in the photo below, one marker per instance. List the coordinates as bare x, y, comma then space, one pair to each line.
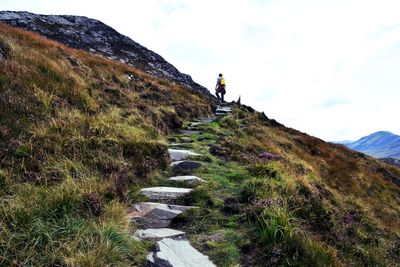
96, 37
391, 161
382, 144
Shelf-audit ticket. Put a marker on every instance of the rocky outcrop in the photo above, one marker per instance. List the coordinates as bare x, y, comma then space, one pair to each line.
96, 37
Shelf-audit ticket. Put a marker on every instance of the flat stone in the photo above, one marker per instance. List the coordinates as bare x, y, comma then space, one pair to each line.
181, 154
164, 192
219, 114
195, 124
189, 179
185, 166
223, 109
207, 120
158, 233
155, 215
181, 145
189, 132
156, 219
178, 253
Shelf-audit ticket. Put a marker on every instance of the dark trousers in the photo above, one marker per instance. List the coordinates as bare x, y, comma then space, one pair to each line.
220, 92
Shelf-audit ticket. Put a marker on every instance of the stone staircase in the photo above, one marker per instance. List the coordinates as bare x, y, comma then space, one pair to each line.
172, 248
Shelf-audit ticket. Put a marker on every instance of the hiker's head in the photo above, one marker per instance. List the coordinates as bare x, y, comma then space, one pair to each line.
220, 75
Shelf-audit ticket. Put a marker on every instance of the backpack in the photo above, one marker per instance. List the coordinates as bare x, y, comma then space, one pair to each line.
222, 81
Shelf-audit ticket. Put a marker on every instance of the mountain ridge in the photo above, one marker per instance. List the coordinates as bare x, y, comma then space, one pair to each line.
96, 37
381, 144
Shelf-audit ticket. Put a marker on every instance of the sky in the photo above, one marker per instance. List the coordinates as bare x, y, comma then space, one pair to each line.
329, 68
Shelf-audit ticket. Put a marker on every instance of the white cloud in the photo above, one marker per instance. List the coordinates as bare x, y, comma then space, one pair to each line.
329, 68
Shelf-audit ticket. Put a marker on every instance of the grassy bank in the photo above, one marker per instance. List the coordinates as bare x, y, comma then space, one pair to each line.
77, 131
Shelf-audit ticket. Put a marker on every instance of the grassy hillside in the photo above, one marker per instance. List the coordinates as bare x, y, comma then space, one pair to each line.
282, 198
80, 134
75, 134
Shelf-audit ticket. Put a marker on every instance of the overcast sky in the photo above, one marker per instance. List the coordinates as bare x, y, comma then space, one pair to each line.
327, 68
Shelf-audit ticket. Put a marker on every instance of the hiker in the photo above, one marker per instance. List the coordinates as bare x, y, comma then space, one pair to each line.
220, 88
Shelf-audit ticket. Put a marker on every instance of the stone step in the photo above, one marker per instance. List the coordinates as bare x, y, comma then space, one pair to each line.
184, 166
177, 253
189, 132
181, 145
220, 114
223, 109
189, 179
155, 215
164, 192
181, 154
195, 124
158, 233
207, 120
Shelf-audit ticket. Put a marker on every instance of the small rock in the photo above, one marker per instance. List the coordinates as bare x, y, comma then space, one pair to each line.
164, 192
215, 237
189, 179
185, 166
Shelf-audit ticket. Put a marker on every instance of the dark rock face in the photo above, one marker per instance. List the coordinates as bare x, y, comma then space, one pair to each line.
96, 37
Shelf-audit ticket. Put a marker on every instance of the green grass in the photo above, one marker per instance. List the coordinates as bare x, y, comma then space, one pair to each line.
282, 211
49, 225
77, 143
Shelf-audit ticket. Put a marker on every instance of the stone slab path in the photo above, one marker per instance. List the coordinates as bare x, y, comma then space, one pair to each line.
171, 248
158, 233
223, 109
164, 192
181, 154
155, 215
178, 253
185, 166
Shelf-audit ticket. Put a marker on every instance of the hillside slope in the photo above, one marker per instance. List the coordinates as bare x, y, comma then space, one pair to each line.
381, 144
96, 37
80, 135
